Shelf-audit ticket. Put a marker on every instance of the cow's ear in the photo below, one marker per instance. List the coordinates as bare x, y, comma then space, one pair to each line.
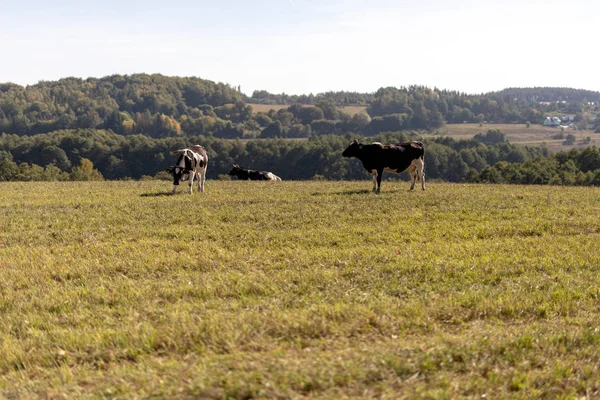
354, 141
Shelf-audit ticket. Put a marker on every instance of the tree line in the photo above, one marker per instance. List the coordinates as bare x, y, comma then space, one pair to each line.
98, 154
159, 107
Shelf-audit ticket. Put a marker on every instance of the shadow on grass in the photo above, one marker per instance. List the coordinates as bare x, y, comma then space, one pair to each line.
352, 192
361, 191
157, 194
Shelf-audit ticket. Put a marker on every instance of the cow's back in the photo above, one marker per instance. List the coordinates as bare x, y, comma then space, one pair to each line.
390, 156
414, 147
202, 152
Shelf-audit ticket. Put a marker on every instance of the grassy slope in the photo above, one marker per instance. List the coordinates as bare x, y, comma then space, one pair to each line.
535, 135
316, 289
264, 108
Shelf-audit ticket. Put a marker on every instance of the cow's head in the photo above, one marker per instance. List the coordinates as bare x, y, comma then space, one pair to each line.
235, 171
181, 169
353, 150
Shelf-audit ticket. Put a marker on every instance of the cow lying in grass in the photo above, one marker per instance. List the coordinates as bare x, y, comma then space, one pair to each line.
191, 162
395, 158
250, 174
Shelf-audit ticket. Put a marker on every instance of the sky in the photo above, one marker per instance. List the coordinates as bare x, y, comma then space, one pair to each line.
308, 46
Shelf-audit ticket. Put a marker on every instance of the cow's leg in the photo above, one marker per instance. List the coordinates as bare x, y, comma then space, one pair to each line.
374, 173
191, 182
421, 172
174, 189
202, 178
412, 170
379, 175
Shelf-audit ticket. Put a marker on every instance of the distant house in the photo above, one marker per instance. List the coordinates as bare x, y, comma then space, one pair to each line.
552, 121
569, 118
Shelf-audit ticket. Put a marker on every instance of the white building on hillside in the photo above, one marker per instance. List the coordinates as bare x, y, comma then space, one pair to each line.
552, 121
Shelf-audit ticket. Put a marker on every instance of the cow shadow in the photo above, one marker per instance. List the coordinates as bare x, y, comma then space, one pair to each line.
352, 192
157, 194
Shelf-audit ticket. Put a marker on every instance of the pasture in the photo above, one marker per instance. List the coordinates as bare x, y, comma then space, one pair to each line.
299, 290
264, 108
535, 135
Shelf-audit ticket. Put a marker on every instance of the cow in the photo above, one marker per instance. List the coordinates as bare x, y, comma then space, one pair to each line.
250, 174
395, 158
191, 162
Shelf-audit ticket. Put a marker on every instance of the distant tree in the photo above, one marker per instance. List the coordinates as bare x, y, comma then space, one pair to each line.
285, 117
597, 124
273, 130
90, 119
570, 139
227, 130
29, 173
388, 123
329, 109
55, 155
299, 131
165, 126
262, 119
86, 172
8, 168
295, 109
308, 114
359, 121
491, 137
323, 127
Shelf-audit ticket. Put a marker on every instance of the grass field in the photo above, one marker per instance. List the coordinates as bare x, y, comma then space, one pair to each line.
264, 108
299, 290
535, 135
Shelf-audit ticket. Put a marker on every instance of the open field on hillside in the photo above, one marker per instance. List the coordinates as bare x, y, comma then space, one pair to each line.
299, 290
264, 108
535, 135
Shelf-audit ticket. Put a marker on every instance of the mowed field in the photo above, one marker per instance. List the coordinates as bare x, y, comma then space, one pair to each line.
535, 135
264, 108
299, 290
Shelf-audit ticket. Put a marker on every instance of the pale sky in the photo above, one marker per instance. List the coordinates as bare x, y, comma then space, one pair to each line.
308, 46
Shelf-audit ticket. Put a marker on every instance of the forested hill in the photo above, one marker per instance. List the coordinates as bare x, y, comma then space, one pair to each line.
161, 106
547, 94
153, 102
338, 98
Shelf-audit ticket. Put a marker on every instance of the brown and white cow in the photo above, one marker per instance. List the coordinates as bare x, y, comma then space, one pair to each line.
394, 158
191, 162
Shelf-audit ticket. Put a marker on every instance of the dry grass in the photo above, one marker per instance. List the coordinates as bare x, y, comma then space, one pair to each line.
264, 108
298, 290
535, 135
354, 109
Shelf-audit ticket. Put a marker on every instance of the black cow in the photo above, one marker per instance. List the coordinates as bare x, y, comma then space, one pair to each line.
190, 162
250, 174
395, 158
